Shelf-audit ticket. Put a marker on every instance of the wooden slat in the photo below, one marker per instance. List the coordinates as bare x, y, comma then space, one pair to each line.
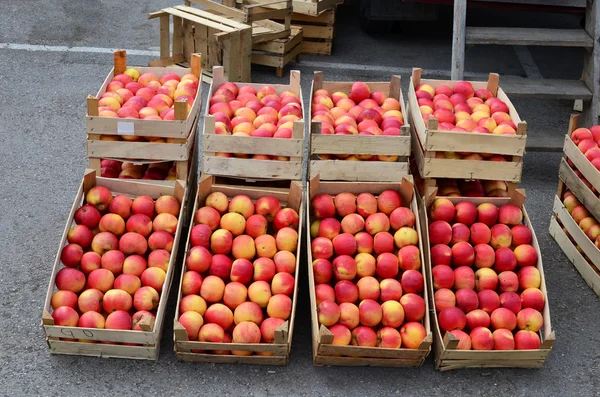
251, 145
230, 359
326, 17
252, 168
141, 150
317, 32
356, 171
450, 141
103, 350
165, 50
230, 12
245, 55
196, 19
545, 88
591, 65
227, 22
458, 40
350, 144
317, 48
177, 36
529, 37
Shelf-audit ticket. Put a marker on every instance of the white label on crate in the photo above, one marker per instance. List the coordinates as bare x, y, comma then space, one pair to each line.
125, 128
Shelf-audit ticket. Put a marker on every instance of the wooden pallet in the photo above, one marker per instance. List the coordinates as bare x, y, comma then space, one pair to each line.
447, 357
374, 171
279, 52
280, 350
324, 352
252, 168
220, 40
427, 140
317, 30
179, 134
147, 342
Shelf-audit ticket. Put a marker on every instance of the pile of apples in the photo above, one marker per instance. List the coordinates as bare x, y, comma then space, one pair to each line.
366, 266
243, 111
487, 285
472, 188
116, 261
587, 141
163, 171
462, 109
362, 112
582, 217
239, 279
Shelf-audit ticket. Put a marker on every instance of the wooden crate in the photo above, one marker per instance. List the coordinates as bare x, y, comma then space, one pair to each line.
289, 197
317, 31
310, 7
179, 134
256, 15
373, 171
428, 140
324, 352
146, 343
252, 168
186, 170
447, 357
279, 52
220, 40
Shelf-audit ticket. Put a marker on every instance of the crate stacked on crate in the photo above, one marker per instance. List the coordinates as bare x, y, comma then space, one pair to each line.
221, 40
574, 223
317, 19
119, 247
359, 131
466, 131
254, 131
109, 296
484, 272
239, 283
126, 135
368, 295
274, 44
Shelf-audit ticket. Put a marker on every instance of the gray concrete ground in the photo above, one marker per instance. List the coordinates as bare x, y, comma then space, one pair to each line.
42, 157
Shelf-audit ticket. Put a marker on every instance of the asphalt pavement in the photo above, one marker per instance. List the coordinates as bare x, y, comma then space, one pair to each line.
42, 158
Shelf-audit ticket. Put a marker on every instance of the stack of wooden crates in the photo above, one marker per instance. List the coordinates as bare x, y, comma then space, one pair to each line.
136, 142
384, 166
440, 155
579, 176
316, 18
229, 167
